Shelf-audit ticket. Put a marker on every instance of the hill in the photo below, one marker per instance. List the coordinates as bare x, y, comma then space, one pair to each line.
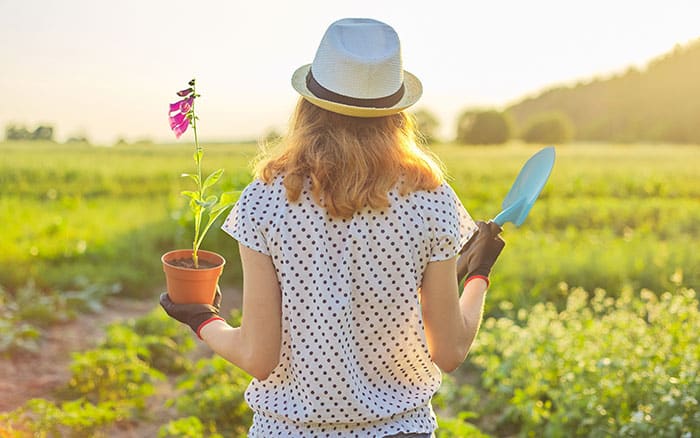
658, 103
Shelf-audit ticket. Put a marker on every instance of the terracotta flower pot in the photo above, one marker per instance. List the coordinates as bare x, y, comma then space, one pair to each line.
186, 284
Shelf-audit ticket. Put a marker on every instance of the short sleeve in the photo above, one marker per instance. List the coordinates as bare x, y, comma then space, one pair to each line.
451, 225
245, 221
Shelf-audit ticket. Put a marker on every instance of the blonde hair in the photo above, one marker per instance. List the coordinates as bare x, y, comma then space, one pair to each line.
352, 162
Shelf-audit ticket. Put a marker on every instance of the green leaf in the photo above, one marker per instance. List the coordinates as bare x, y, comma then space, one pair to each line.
229, 198
213, 178
190, 194
194, 177
208, 203
195, 207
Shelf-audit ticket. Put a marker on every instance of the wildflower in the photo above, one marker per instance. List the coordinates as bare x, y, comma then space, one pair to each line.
180, 113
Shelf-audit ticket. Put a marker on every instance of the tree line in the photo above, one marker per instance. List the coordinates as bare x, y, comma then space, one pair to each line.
21, 132
660, 103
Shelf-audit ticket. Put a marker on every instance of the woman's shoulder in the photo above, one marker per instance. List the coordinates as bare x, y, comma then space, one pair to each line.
443, 193
259, 189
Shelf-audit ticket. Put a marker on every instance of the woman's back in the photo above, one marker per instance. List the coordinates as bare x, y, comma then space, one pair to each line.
354, 354
348, 239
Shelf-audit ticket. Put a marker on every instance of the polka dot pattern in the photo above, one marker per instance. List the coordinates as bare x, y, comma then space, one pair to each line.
354, 360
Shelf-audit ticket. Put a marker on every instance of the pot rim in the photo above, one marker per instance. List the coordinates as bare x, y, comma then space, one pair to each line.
218, 259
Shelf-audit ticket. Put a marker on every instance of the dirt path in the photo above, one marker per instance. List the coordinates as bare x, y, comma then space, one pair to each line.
31, 375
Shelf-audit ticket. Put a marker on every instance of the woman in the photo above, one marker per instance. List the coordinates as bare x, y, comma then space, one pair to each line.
349, 239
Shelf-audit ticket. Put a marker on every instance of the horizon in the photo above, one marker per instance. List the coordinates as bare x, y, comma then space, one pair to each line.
108, 71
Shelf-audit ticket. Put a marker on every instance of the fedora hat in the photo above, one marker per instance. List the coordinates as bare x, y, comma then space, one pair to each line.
358, 71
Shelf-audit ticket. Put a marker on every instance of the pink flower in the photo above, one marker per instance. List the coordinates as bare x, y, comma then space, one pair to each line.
186, 104
181, 128
182, 106
177, 115
177, 119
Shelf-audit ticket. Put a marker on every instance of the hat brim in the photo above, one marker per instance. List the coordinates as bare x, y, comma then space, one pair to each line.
413, 92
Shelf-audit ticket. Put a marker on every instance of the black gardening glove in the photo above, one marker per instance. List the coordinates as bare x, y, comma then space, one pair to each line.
479, 254
194, 315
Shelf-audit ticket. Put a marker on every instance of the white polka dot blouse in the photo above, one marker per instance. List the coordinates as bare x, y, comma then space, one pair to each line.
354, 359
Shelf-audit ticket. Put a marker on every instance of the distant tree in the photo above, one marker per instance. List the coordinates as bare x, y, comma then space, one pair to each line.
16, 132
656, 103
549, 127
483, 127
20, 132
78, 138
427, 124
43, 133
272, 136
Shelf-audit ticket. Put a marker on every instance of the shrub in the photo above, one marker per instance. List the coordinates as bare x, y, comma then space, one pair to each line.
601, 367
427, 124
458, 427
455, 405
42, 418
31, 307
483, 127
553, 127
213, 392
187, 427
113, 375
159, 340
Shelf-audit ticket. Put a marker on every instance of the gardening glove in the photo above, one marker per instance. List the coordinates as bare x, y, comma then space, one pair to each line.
479, 254
194, 315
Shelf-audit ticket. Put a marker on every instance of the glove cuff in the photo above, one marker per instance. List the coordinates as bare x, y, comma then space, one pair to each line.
473, 277
201, 326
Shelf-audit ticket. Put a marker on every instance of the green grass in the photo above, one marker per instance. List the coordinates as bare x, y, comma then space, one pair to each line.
610, 216
102, 213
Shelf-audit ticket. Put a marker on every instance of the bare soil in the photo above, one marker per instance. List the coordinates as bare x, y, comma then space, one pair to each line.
39, 375
188, 263
30, 375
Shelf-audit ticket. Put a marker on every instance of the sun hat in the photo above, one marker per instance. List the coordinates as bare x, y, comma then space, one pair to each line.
358, 71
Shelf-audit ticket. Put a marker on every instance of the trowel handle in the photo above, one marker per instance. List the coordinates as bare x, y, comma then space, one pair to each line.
500, 219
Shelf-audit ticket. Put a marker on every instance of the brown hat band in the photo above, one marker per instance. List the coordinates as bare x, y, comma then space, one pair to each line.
380, 102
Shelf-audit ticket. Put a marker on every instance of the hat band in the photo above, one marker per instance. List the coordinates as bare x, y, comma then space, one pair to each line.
324, 93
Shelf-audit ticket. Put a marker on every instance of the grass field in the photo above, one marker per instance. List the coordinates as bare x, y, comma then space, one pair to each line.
610, 216
617, 221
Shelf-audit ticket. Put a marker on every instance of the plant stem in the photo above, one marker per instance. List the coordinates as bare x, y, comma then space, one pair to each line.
198, 160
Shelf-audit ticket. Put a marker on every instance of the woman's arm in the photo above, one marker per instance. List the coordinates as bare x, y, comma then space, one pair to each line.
255, 345
451, 323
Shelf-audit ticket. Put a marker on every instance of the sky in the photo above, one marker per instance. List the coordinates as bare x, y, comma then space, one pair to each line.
107, 70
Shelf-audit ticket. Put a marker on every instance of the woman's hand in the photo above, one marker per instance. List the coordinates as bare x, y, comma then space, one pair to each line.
479, 254
194, 315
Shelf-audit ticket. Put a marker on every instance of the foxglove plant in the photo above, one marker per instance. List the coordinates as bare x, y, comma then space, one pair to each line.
181, 116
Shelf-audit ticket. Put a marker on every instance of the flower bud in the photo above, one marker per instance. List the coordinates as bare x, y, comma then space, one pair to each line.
185, 92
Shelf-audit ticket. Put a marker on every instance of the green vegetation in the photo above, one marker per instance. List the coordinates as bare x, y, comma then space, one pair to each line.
427, 123
483, 127
660, 103
548, 128
23, 313
551, 360
106, 214
603, 366
110, 383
